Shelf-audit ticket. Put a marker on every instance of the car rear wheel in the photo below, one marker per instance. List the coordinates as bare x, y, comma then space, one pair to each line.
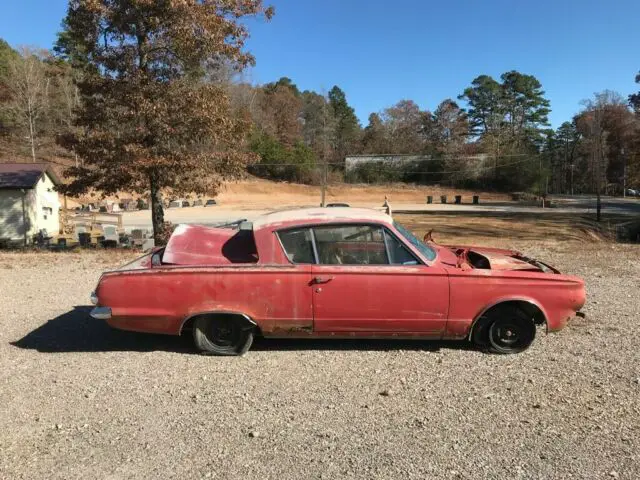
510, 330
222, 334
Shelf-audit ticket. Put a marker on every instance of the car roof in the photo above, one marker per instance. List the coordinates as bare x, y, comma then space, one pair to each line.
311, 216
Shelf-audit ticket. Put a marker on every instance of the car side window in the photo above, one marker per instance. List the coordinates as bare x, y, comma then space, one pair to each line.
298, 245
351, 245
399, 253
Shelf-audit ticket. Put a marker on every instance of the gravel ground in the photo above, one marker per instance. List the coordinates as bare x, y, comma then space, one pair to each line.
81, 400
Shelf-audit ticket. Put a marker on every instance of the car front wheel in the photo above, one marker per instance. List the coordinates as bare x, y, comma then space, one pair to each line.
510, 330
222, 334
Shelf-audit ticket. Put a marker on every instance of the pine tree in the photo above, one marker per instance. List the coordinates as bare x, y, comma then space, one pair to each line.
347, 127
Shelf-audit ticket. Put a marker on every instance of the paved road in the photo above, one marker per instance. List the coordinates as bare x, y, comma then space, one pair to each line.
612, 205
561, 204
570, 205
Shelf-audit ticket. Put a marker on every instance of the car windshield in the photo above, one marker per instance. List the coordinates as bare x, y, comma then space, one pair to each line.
428, 252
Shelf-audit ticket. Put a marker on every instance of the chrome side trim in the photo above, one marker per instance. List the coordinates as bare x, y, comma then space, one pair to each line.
101, 313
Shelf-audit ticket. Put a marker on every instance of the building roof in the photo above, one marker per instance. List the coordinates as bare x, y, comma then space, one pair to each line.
24, 175
307, 216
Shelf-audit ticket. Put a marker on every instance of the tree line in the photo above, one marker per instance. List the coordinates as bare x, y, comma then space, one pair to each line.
38, 98
148, 97
501, 140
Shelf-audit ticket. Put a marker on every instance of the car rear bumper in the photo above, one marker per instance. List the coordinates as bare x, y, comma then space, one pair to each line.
101, 313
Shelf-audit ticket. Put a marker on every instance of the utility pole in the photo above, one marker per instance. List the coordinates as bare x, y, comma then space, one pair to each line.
624, 174
598, 187
324, 181
572, 165
563, 187
495, 171
540, 180
598, 164
546, 188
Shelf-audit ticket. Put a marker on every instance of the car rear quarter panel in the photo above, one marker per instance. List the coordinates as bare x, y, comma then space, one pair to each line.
475, 291
159, 300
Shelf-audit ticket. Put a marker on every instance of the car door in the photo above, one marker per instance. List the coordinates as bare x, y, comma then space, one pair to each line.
287, 287
367, 281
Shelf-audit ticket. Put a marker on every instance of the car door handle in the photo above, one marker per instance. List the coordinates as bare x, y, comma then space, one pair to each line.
321, 280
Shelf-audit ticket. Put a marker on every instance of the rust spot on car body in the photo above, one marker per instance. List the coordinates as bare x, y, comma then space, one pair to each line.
292, 328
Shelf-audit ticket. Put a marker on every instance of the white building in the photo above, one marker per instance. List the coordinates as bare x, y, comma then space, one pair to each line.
28, 201
351, 162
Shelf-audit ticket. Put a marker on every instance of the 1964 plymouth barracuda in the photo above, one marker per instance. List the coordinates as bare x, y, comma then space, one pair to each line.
333, 273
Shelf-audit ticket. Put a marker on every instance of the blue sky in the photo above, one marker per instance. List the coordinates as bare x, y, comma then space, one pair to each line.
380, 52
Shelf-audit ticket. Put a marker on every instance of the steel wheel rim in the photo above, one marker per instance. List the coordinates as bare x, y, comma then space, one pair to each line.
223, 333
507, 335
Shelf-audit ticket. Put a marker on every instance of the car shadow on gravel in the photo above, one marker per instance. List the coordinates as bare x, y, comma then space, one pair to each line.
76, 331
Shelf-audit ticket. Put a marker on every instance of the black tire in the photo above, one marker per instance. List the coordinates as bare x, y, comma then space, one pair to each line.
223, 334
507, 330
480, 332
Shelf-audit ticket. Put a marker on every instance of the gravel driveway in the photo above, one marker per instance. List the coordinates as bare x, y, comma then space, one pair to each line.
79, 400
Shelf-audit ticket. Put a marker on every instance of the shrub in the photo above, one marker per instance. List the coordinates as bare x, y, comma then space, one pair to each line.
279, 162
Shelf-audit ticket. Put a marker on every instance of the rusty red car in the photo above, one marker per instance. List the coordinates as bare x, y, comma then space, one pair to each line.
333, 273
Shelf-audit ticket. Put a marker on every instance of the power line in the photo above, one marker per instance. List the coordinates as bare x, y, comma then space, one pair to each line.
429, 158
382, 163
488, 167
391, 162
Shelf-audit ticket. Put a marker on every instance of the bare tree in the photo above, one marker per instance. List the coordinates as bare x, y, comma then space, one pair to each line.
70, 96
28, 86
591, 122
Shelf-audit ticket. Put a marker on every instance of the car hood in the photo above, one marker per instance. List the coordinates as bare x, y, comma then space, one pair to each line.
446, 255
499, 261
489, 259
